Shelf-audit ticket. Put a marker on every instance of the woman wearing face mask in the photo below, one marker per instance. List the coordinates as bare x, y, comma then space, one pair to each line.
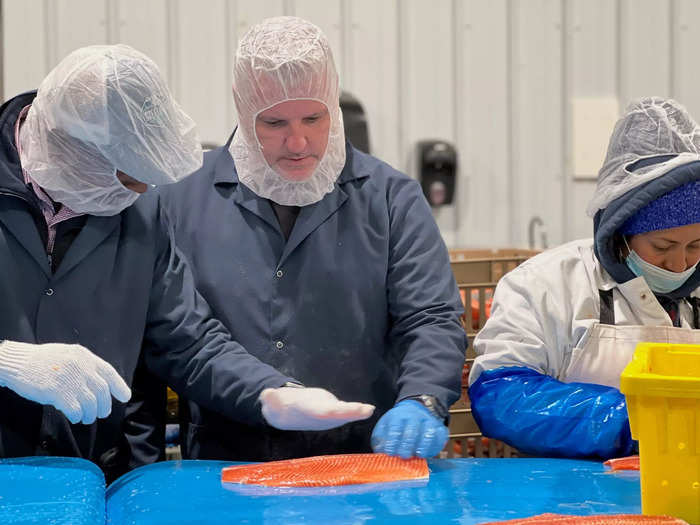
564, 324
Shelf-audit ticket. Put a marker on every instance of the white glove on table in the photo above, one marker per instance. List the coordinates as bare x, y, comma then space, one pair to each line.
68, 377
291, 408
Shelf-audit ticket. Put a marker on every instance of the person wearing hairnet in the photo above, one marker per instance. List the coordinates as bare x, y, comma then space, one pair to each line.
565, 323
322, 261
90, 273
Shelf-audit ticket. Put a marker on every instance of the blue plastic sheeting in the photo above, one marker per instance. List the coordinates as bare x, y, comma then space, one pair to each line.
465, 491
51, 490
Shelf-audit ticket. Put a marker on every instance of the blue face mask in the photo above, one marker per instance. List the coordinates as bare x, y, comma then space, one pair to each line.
658, 279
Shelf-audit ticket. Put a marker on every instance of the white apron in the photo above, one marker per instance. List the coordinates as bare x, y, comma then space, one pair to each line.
606, 349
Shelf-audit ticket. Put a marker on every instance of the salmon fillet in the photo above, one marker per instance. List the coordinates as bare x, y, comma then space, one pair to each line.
601, 519
627, 463
325, 471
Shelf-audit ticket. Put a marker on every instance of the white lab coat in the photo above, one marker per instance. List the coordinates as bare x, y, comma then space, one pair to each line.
546, 312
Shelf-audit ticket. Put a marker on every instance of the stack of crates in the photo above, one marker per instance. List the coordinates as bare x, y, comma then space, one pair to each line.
477, 272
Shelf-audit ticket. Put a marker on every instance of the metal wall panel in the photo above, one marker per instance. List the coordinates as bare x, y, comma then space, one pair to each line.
326, 14
427, 70
427, 85
592, 51
372, 72
200, 61
498, 78
25, 60
72, 24
645, 49
482, 111
591, 72
537, 164
685, 34
250, 12
142, 25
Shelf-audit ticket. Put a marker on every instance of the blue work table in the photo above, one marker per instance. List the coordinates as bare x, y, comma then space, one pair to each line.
51, 491
47, 490
463, 491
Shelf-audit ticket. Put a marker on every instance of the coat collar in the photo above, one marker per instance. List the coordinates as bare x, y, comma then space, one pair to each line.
95, 230
11, 178
20, 223
310, 217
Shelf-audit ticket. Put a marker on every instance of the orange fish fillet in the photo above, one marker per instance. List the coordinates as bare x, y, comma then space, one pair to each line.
324, 471
602, 519
627, 463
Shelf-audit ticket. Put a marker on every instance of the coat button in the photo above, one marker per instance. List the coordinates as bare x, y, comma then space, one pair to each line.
279, 345
48, 291
45, 444
279, 273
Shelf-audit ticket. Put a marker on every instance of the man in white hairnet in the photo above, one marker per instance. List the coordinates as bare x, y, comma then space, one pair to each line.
324, 262
89, 272
565, 323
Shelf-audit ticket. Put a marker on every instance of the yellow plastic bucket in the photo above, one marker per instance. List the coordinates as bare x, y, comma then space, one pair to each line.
662, 387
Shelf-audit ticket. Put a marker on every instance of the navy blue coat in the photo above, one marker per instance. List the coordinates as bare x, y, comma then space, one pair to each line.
121, 285
360, 300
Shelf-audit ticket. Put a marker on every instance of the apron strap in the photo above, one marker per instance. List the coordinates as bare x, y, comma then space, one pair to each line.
695, 303
607, 310
672, 309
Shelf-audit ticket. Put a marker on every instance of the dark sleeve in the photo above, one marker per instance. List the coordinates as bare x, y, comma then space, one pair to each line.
144, 418
424, 301
142, 440
193, 352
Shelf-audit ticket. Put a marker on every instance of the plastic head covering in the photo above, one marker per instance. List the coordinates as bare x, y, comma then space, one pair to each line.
103, 109
285, 58
652, 165
649, 128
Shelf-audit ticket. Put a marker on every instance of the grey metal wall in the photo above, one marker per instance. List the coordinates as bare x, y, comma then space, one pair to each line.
526, 89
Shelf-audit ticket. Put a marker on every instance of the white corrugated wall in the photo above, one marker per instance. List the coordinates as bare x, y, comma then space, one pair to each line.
525, 89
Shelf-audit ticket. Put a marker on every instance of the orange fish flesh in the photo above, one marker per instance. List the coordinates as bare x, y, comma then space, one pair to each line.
626, 463
601, 519
325, 471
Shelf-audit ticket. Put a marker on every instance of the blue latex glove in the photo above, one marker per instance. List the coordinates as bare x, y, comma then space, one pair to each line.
540, 415
409, 429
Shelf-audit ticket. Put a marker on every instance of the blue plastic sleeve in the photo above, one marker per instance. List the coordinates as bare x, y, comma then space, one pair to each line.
540, 415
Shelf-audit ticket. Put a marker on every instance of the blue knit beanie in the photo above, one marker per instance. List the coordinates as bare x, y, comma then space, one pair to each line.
678, 207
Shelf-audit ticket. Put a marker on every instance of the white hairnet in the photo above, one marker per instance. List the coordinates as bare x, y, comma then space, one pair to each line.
650, 127
103, 109
285, 58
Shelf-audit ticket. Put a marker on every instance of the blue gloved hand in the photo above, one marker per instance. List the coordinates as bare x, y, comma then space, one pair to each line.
409, 429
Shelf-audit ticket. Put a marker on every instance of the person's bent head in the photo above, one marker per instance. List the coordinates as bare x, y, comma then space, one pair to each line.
646, 206
290, 145
662, 240
104, 125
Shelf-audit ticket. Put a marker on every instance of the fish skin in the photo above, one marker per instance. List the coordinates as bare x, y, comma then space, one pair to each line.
626, 463
326, 471
599, 519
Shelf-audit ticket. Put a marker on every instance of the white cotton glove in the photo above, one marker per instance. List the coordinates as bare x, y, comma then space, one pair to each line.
68, 377
291, 408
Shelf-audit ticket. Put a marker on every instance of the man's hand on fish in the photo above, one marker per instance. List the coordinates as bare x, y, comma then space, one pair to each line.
68, 377
409, 429
293, 408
